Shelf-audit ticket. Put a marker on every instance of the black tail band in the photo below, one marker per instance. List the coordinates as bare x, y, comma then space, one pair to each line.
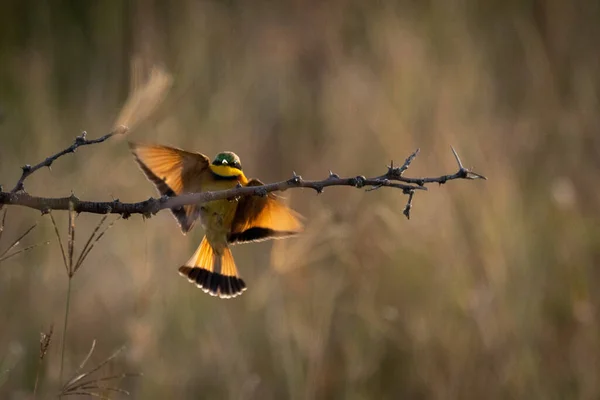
215, 284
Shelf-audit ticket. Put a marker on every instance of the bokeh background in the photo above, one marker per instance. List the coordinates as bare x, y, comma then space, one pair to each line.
488, 291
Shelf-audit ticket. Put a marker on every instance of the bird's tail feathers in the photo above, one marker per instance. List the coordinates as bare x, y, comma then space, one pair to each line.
214, 273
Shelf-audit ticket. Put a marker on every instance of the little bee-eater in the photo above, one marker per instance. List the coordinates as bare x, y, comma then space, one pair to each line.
226, 222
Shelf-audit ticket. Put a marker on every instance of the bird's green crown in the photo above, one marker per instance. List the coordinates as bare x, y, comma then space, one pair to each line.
228, 158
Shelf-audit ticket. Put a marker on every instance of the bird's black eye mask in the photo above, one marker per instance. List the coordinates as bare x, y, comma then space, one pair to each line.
225, 162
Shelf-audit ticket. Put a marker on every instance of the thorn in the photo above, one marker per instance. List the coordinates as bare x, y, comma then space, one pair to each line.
26, 168
319, 189
377, 186
239, 185
406, 211
460, 166
475, 175
45, 210
333, 175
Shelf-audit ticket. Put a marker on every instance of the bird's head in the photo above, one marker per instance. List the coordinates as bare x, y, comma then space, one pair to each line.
227, 164
228, 158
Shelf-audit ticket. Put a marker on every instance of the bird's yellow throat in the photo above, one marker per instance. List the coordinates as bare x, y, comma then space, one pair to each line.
227, 171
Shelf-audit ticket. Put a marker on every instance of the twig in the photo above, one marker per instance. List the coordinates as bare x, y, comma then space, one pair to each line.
80, 141
408, 205
407, 162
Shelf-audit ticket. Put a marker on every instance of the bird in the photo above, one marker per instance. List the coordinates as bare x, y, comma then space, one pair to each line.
174, 171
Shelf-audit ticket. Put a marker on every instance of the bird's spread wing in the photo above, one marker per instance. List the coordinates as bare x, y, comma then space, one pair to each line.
261, 218
173, 172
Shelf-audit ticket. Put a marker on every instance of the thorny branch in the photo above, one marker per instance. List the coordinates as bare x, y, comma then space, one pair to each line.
393, 178
80, 140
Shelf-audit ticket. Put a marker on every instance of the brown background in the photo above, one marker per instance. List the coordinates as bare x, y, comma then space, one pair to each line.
489, 291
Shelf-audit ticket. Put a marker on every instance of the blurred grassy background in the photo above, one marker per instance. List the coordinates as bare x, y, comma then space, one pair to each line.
487, 292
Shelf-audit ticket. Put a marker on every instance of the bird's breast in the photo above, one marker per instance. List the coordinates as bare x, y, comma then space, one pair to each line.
217, 215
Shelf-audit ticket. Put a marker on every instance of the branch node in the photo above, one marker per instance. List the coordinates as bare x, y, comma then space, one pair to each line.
26, 168
359, 181
295, 179
262, 192
162, 199
79, 140
154, 205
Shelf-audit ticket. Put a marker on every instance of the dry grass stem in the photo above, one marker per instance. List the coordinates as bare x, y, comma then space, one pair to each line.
45, 341
144, 98
6, 253
94, 387
72, 267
